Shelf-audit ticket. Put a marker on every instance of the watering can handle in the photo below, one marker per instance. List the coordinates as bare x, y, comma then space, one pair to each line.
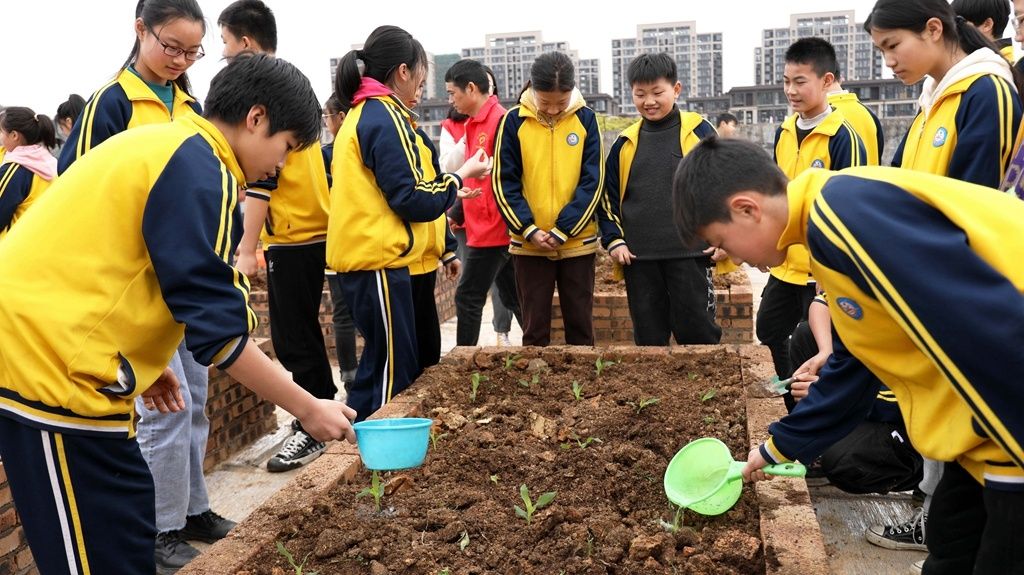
786, 469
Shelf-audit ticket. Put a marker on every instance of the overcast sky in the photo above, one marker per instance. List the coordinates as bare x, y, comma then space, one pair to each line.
55, 47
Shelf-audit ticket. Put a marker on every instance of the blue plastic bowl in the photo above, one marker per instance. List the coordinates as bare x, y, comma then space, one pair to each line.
397, 443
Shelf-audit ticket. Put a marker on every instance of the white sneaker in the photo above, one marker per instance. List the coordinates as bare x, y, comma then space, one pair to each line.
503, 340
916, 567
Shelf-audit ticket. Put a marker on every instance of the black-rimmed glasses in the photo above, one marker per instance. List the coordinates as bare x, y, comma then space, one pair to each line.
174, 51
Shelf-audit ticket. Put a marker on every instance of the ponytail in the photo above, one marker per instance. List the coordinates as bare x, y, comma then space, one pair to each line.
386, 48
971, 39
35, 128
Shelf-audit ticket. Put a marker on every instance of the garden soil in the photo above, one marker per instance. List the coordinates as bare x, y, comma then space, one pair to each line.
604, 454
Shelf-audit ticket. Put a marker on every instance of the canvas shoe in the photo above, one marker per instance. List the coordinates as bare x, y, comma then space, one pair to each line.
207, 527
298, 450
917, 567
909, 535
503, 340
172, 552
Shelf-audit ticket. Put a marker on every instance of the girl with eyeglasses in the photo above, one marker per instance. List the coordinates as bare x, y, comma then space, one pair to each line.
152, 86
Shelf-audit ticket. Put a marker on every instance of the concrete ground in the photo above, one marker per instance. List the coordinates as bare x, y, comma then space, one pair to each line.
241, 484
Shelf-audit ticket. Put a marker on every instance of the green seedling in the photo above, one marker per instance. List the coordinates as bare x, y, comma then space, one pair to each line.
494, 478
692, 376
709, 419
475, 380
464, 542
577, 390
602, 364
533, 506
510, 360
533, 381
708, 394
376, 489
643, 403
435, 437
582, 443
298, 567
677, 521
445, 571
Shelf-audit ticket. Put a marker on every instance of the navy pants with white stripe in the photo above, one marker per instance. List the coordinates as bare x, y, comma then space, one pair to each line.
86, 503
381, 305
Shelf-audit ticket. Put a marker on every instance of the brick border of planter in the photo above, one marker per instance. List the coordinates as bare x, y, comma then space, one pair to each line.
790, 532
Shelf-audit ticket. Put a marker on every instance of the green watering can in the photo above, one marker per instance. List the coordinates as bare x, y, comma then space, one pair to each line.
704, 477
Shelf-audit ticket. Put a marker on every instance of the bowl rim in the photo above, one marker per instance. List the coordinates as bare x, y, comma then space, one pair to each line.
393, 423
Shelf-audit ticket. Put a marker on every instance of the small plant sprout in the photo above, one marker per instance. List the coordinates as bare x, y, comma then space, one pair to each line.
533, 506
577, 390
376, 489
298, 567
494, 478
708, 394
474, 384
602, 364
643, 403
464, 541
533, 381
692, 376
510, 360
445, 571
435, 437
677, 521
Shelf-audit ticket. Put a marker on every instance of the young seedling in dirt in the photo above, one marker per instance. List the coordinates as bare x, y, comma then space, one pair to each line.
510, 360
376, 489
445, 571
693, 376
677, 521
298, 567
533, 506
582, 443
602, 364
708, 394
643, 403
435, 437
494, 478
709, 419
577, 390
464, 541
533, 381
474, 384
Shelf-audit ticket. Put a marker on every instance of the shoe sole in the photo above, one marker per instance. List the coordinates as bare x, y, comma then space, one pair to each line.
166, 570
194, 537
294, 464
876, 539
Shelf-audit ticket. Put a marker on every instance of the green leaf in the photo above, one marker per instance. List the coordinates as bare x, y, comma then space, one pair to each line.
464, 542
708, 394
524, 492
546, 498
520, 512
284, 552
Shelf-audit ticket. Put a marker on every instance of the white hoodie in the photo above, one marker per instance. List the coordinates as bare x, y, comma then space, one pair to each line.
981, 61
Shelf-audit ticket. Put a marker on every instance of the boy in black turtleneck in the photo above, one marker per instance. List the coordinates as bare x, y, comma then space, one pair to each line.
668, 286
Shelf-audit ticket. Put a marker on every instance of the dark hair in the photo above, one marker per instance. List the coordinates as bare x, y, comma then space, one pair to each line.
251, 18
386, 48
157, 12
72, 108
333, 105
726, 117
465, 71
913, 15
977, 11
552, 72
817, 52
713, 171
455, 116
35, 128
648, 68
262, 80
491, 79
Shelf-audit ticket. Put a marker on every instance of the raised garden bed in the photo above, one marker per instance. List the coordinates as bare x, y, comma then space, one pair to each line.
457, 512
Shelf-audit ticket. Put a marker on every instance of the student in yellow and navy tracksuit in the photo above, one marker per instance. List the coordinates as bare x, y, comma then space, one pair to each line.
548, 181
28, 168
990, 17
949, 365
861, 119
385, 201
153, 85
969, 117
158, 208
816, 136
668, 286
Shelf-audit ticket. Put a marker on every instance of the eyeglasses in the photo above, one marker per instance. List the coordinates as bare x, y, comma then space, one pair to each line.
174, 51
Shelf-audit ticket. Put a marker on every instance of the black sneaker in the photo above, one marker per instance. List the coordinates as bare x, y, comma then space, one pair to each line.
298, 450
207, 526
909, 535
172, 552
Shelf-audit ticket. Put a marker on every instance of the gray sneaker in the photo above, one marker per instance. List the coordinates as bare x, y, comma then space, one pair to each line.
298, 450
172, 552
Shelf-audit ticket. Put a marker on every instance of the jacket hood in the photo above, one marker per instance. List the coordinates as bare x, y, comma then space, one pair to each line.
529, 101
981, 61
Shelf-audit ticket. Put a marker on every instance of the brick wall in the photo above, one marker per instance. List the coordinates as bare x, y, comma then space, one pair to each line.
613, 326
444, 296
15, 558
237, 416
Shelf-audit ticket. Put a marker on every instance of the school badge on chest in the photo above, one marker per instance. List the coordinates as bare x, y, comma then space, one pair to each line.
818, 164
572, 139
940, 137
850, 307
